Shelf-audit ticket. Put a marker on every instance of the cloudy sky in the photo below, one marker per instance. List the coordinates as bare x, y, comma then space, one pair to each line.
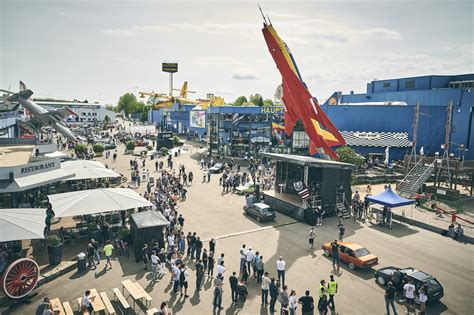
98, 50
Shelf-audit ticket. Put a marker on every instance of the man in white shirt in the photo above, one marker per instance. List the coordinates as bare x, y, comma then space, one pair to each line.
154, 265
243, 258
170, 243
280, 264
409, 290
86, 302
220, 268
249, 255
176, 274
265, 287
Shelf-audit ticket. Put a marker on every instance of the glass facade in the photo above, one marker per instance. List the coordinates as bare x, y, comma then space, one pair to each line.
243, 134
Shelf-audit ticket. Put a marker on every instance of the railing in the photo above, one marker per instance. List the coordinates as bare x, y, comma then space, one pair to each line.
412, 170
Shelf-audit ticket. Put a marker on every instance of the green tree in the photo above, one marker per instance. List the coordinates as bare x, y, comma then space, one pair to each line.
348, 155
110, 107
267, 102
256, 99
127, 103
240, 100
106, 120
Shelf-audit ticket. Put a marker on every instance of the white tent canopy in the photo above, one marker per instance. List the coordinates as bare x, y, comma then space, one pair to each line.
87, 169
96, 201
21, 224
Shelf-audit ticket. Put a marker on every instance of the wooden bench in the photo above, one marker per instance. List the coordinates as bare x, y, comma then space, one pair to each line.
133, 290
121, 298
145, 294
108, 305
152, 311
79, 307
57, 306
67, 308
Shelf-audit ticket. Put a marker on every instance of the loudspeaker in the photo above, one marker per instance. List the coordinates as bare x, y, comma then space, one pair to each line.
12, 176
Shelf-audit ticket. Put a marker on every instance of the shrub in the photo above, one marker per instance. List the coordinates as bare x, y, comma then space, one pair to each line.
175, 140
348, 155
149, 147
53, 241
123, 232
164, 151
98, 148
80, 148
130, 145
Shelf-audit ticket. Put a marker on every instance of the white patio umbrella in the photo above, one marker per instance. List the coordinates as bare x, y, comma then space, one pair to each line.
21, 224
96, 201
85, 169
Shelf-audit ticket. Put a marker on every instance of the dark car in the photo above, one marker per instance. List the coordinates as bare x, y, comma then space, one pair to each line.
109, 146
260, 211
435, 289
217, 168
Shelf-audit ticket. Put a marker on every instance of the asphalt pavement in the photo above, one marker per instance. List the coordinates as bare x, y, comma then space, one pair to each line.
213, 214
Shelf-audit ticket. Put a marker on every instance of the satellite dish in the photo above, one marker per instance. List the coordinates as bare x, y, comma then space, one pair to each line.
278, 94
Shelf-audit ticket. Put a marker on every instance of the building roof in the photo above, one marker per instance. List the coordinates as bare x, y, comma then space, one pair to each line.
15, 155
149, 218
306, 160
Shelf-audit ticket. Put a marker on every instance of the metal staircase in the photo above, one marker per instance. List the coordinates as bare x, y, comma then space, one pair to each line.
315, 198
415, 178
342, 206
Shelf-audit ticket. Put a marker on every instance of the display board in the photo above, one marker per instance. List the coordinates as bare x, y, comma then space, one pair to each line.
197, 119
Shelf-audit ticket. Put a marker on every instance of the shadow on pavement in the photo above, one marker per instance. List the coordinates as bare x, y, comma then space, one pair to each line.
398, 230
196, 298
79, 274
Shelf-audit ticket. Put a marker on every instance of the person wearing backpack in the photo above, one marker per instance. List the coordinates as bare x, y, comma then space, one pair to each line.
183, 280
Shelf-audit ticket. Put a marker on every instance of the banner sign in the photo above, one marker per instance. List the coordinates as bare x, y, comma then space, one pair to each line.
272, 110
197, 119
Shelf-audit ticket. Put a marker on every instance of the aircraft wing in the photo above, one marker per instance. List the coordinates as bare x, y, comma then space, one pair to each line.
57, 114
298, 101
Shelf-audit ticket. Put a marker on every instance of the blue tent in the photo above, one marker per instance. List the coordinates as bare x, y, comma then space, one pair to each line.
390, 199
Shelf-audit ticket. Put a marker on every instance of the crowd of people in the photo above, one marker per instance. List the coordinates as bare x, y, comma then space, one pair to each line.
186, 254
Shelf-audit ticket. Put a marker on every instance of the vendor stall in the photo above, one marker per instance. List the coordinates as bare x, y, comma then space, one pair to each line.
147, 228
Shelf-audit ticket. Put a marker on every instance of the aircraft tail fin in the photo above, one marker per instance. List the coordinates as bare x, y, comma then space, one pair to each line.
22, 86
184, 90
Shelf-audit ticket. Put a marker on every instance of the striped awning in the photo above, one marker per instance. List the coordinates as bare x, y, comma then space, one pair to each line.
376, 139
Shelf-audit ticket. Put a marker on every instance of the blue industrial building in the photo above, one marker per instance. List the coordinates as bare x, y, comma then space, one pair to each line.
380, 110
370, 122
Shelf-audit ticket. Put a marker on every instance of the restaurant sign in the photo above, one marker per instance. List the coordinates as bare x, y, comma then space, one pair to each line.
36, 167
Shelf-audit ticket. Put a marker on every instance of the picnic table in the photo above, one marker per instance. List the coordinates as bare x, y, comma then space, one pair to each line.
97, 303
133, 290
57, 306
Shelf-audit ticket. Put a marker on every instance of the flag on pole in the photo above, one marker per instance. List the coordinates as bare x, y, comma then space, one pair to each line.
237, 118
302, 190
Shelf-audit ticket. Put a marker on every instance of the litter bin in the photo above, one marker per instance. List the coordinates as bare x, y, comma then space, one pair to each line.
81, 262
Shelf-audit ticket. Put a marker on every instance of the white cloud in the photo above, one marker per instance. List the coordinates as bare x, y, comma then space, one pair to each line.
242, 74
118, 32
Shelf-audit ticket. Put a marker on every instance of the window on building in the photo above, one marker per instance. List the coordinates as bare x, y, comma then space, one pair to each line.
386, 84
410, 84
300, 140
